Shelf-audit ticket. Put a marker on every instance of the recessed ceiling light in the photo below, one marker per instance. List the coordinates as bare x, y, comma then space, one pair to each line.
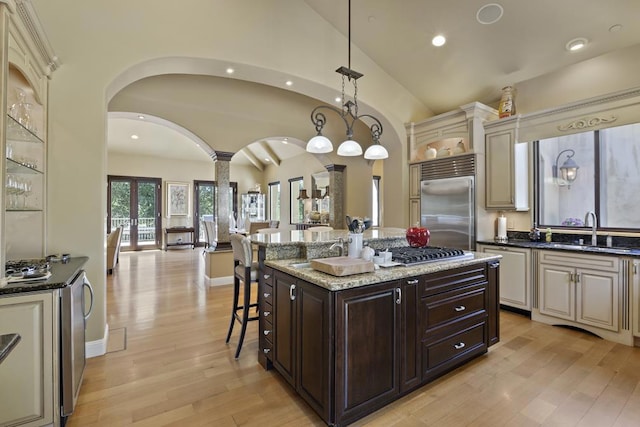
140, 116
285, 141
439, 40
230, 70
338, 99
576, 44
489, 13
288, 83
266, 159
135, 136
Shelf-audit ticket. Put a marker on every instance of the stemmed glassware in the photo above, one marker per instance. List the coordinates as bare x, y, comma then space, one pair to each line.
18, 191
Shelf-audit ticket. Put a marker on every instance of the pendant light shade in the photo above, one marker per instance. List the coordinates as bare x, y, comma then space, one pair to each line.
349, 148
376, 152
319, 144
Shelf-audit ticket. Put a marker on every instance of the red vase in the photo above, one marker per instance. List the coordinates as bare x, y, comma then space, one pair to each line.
418, 236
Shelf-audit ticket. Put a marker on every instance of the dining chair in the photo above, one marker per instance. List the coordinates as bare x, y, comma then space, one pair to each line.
269, 230
320, 229
211, 236
245, 271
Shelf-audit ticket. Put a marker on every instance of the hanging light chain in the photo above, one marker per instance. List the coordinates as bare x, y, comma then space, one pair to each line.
355, 95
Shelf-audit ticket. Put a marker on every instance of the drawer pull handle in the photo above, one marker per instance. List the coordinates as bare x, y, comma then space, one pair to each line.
266, 313
266, 276
399, 296
266, 294
292, 296
459, 346
460, 308
412, 282
266, 331
266, 350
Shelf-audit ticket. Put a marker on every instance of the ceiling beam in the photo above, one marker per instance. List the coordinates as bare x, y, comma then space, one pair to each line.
252, 158
271, 155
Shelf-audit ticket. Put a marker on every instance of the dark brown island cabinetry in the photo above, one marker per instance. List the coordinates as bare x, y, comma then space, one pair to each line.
350, 352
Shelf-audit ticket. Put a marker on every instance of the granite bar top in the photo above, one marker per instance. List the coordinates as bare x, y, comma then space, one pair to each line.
566, 246
308, 244
61, 275
7, 343
334, 283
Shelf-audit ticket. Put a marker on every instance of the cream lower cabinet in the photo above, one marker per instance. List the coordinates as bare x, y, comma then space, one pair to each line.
585, 291
634, 274
27, 376
515, 275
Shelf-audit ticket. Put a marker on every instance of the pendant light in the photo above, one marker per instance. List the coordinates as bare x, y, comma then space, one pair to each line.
349, 114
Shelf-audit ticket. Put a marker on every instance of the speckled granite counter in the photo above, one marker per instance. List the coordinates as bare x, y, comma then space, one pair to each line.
61, 274
381, 275
566, 246
308, 244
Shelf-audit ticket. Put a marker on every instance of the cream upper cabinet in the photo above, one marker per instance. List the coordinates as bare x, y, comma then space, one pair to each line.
414, 212
587, 291
515, 275
27, 375
507, 176
634, 274
24, 71
415, 172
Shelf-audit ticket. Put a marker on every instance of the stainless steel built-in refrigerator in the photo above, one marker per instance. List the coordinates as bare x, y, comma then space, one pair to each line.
447, 209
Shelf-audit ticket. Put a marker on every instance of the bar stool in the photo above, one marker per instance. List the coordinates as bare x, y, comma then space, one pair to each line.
244, 270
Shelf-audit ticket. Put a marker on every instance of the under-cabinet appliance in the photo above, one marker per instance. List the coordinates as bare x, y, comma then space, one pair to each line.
411, 256
447, 209
73, 322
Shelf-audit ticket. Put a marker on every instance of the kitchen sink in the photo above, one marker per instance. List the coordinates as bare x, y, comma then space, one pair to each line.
567, 246
588, 248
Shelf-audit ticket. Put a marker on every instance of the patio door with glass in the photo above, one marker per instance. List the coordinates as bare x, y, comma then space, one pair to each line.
134, 203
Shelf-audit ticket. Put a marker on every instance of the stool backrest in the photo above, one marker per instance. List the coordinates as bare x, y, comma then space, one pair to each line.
242, 251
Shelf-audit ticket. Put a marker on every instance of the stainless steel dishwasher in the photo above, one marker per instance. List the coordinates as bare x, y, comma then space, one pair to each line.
73, 319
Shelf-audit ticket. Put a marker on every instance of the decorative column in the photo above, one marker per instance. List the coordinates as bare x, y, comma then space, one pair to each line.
221, 160
336, 194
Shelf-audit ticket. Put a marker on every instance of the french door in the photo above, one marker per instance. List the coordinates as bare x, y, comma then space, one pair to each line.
135, 203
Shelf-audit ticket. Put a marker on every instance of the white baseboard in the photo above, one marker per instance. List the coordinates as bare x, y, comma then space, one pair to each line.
98, 347
219, 281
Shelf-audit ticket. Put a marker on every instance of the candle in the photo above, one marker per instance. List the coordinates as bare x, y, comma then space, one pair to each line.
502, 226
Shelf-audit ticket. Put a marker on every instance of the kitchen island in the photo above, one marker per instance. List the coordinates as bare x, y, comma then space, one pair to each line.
351, 345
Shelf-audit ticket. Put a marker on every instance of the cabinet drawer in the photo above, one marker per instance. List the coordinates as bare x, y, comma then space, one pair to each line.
580, 260
266, 347
451, 351
267, 312
451, 306
451, 279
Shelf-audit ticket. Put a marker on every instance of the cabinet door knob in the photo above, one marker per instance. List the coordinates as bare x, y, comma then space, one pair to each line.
266, 294
266, 276
460, 308
459, 346
266, 350
412, 282
266, 313
266, 331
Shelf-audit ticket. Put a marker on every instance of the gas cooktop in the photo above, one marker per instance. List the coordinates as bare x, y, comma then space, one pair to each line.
411, 256
27, 269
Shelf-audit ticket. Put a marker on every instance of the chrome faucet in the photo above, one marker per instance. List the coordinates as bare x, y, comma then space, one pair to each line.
594, 236
340, 245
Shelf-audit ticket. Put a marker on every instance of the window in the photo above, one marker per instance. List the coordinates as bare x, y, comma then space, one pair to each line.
297, 196
375, 197
274, 201
607, 172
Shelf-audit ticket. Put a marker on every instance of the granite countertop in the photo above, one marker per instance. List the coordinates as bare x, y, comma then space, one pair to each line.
309, 238
334, 283
7, 343
61, 275
566, 246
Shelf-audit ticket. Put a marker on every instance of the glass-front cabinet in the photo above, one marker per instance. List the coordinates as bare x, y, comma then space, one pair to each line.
23, 124
253, 206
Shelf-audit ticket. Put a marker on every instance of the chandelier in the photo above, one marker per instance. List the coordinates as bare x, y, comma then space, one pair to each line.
349, 115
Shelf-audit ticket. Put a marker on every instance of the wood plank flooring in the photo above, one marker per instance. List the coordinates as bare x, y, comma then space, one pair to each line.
176, 370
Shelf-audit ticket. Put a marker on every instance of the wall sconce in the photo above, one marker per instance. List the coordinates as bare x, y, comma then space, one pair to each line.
303, 194
568, 170
317, 194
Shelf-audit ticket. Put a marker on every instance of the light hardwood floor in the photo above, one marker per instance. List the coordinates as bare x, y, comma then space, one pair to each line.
176, 369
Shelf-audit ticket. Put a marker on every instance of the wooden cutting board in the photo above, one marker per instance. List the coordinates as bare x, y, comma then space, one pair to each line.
342, 265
